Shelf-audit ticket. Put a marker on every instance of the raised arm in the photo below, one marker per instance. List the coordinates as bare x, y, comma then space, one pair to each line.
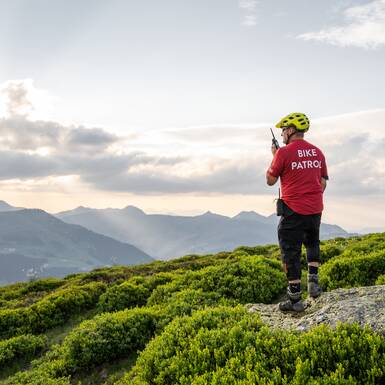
270, 179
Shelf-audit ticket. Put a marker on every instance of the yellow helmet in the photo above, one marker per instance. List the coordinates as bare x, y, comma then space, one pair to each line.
297, 119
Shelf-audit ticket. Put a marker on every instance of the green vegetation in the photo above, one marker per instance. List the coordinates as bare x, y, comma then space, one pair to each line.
381, 280
234, 280
359, 263
22, 347
183, 322
109, 336
229, 346
351, 271
51, 311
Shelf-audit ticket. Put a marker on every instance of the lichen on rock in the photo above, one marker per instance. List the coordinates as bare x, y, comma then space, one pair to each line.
361, 305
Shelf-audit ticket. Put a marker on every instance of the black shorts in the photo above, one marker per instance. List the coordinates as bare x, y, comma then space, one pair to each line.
294, 230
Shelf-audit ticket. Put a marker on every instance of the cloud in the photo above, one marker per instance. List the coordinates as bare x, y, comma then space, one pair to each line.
85, 137
249, 12
224, 159
90, 153
17, 98
353, 145
228, 176
363, 26
16, 165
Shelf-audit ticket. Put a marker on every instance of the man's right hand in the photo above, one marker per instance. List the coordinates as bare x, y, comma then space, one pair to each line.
273, 149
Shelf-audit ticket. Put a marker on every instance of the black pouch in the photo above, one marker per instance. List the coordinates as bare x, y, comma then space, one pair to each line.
280, 207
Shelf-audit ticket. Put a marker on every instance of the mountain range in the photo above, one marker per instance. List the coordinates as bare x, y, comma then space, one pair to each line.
170, 236
33, 242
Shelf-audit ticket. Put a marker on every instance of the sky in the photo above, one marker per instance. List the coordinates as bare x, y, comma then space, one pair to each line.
167, 105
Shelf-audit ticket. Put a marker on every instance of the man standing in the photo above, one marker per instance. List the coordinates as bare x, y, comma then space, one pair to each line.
302, 170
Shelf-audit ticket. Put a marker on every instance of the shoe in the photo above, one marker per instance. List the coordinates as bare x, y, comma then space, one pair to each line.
294, 302
292, 306
313, 288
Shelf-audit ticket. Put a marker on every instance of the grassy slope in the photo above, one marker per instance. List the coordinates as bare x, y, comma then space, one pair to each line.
25, 295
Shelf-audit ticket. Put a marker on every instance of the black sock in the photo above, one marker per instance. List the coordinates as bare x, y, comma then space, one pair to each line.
313, 269
295, 292
295, 287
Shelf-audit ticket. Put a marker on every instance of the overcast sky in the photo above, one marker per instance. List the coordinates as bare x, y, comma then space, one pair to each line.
166, 105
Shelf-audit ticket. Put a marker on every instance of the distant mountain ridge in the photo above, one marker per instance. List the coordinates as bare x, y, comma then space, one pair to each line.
170, 236
33, 240
4, 206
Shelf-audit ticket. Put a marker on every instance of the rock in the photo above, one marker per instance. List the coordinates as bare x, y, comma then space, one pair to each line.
363, 305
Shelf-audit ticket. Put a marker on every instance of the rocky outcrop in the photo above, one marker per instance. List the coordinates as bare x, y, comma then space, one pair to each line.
363, 305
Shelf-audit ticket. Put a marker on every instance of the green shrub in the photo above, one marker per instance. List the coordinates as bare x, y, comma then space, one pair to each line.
38, 378
329, 251
163, 292
45, 284
266, 250
380, 280
228, 346
56, 308
366, 244
123, 296
16, 321
49, 370
249, 279
110, 335
160, 279
53, 310
20, 289
188, 300
351, 270
21, 347
252, 279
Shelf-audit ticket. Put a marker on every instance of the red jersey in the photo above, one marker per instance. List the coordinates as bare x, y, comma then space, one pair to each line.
300, 166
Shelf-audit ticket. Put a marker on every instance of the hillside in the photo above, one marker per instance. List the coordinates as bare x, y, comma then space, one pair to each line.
35, 242
209, 319
170, 236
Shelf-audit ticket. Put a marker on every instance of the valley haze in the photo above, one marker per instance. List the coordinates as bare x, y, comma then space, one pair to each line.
34, 243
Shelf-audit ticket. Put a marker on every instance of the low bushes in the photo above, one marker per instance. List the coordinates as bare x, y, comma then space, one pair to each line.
21, 347
350, 270
380, 280
186, 301
24, 294
19, 289
48, 370
247, 279
112, 335
228, 346
51, 311
108, 336
133, 292
329, 251
125, 295
366, 244
266, 250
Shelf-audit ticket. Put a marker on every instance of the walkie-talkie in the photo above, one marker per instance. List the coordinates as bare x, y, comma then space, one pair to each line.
274, 141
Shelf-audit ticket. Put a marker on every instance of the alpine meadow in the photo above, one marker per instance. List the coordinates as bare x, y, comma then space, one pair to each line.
186, 321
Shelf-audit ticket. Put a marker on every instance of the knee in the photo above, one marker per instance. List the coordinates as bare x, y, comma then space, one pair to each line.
293, 270
313, 253
291, 264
